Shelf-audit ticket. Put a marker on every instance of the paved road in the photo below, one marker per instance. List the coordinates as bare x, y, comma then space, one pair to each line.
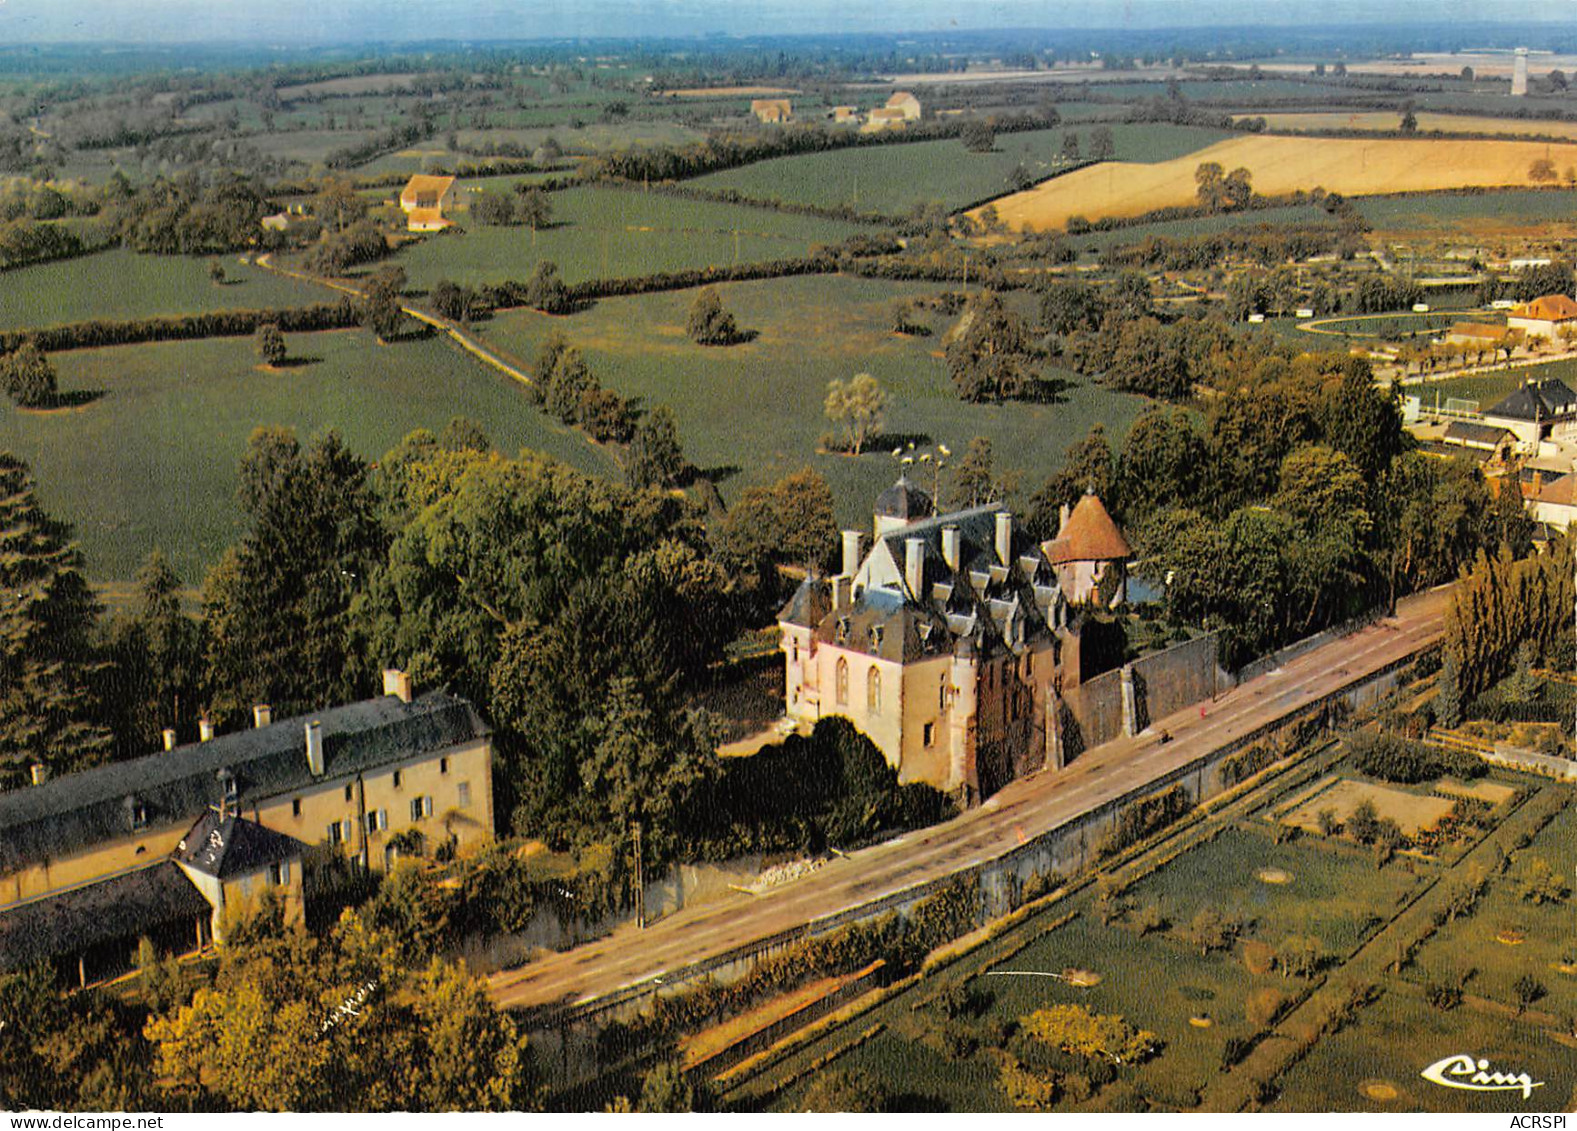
1021, 811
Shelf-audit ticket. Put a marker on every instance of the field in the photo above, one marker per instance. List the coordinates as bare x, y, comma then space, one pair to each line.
611, 233
1478, 216
1281, 165
1381, 120
895, 178
594, 138
122, 284
1488, 388
152, 462
757, 407
1411, 811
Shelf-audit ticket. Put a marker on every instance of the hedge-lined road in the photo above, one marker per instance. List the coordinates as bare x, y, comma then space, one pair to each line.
1021, 811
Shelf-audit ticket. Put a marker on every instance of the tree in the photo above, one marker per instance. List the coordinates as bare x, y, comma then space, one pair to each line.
534, 209
666, 1088
270, 344
1448, 700
545, 290
496, 208
978, 136
47, 615
1102, 145
1542, 171
790, 521
1528, 990
655, 458
1070, 146
1086, 467
28, 376
1409, 123
216, 272
1363, 825
975, 480
1210, 930
1069, 306
381, 311
1330, 824
1543, 884
1467, 74
1209, 180
339, 203
1161, 465
844, 1090
856, 407
1075, 1029
1237, 189
709, 323
990, 356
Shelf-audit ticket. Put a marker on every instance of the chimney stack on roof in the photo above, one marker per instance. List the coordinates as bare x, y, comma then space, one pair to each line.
262, 715
1004, 537
169, 739
397, 683
40, 773
950, 547
853, 551
315, 748
1063, 515
914, 567
205, 729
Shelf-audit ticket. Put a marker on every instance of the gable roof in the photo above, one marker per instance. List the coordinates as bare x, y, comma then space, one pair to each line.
1548, 308
424, 184
900, 97
1537, 400
1089, 535
1469, 432
120, 907
226, 846
1491, 331
176, 787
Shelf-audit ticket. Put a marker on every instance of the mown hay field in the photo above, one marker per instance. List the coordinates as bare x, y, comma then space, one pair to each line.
895, 178
151, 463
1353, 167
1385, 120
121, 284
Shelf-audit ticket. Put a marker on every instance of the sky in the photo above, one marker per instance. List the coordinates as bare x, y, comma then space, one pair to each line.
289, 22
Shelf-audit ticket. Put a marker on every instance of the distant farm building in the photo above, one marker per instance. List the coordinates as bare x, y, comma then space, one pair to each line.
423, 201
1539, 411
1543, 316
905, 103
884, 118
773, 111
845, 114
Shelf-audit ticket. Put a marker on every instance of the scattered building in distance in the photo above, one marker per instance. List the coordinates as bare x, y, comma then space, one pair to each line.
423, 201
773, 111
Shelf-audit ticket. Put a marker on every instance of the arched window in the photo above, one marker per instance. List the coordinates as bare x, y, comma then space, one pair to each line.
842, 682
873, 691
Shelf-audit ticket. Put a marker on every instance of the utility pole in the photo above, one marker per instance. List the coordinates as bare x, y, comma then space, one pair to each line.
640, 881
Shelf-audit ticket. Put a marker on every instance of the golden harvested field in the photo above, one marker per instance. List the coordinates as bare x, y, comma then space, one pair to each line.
730, 91
1444, 123
1485, 65
1353, 167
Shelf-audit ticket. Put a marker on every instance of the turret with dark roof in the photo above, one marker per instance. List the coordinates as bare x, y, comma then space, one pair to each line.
900, 504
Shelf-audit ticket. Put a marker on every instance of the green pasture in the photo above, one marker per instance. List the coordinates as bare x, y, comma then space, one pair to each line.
1488, 388
1548, 938
1396, 1038
1300, 214
1247, 91
122, 284
895, 178
151, 463
756, 408
1331, 895
612, 233
592, 138
1468, 211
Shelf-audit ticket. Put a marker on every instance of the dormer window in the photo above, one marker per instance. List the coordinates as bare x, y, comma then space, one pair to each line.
876, 636
228, 788
843, 629
138, 812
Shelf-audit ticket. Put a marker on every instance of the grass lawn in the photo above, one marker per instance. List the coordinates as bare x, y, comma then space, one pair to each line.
1488, 388
152, 463
1329, 897
1546, 931
1399, 1036
611, 233
757, 407
121, 284
894, 178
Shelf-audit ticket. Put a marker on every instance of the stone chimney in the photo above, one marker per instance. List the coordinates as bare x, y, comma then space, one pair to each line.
169, 739
1004, 537
853, 551
950, 547
397, 683
40, 773
914, 567
205, 729
315, 748
262, 715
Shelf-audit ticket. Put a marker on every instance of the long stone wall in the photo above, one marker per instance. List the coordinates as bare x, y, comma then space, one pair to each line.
1166, 682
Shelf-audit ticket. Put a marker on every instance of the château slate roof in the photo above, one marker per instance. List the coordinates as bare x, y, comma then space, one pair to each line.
226, 846
1537, 400
1089, 535
77, 811
120, 907
904, 500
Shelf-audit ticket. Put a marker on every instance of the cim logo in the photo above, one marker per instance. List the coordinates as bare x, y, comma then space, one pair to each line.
1472, 1074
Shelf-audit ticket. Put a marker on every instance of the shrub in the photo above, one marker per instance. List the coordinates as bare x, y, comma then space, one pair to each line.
709, 323
270, 344
28, 377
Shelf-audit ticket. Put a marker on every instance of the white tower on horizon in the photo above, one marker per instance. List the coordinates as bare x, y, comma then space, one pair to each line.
1519, 73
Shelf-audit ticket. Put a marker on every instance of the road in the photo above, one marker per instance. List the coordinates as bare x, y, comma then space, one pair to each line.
1021, 811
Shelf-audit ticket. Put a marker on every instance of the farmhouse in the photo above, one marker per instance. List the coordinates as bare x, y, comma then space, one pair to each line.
1538, 412
845, 114
423, 201
884, 118
948, 644
1544, 316
161, 846
906, 103
771, 110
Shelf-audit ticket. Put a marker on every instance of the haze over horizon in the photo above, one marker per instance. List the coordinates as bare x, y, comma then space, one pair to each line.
301, 22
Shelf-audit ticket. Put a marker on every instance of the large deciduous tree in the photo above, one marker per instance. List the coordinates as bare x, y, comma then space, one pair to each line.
856, 407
